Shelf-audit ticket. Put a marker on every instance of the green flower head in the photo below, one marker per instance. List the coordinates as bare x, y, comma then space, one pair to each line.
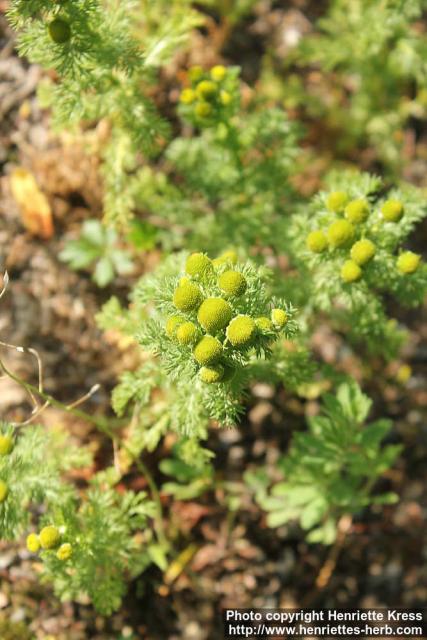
211, 375
408, 262
59, 31
214, 314
225, 98
187, 296
187, 333
202, 109
228, 257
208, 351
49, 537
65, 551
336, 201
4, 491
241, 331
33, 543
357, 211
206, 89
362, 251
6, 444
195, 73
279, 318
187, 96
232, 283
198, 264
392, 210
351, 272
264, 324
340, 232
172, 325
317, 241
218, 73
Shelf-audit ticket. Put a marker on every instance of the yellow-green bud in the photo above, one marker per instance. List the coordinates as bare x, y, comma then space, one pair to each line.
49, 537
340, 232
59, 31
241, 330
211, 374
229, 256
198, 264
392, 210
279, 318
187, 333
218, 72
206, 89
264, 324
208, 351
357, 211
33, 543
232, 283
172, 325
225, 98
202, 109
4, 490
317, 241
350, 272
403, 373
195, 73
187, 296
362, 251
6, 444
187, 96
408, 262
65, 551
214, 314
336, 201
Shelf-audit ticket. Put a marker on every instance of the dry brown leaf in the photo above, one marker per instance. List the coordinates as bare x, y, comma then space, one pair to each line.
36, 213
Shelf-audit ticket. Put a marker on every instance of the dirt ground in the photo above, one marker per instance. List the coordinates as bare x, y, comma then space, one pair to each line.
238, 563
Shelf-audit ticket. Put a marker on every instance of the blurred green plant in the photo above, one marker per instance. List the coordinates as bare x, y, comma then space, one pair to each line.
99, 246
331, 469
374, 77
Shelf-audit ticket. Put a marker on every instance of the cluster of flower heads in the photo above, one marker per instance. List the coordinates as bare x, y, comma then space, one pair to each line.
353, 235
50, 539
212, 97
215, 321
